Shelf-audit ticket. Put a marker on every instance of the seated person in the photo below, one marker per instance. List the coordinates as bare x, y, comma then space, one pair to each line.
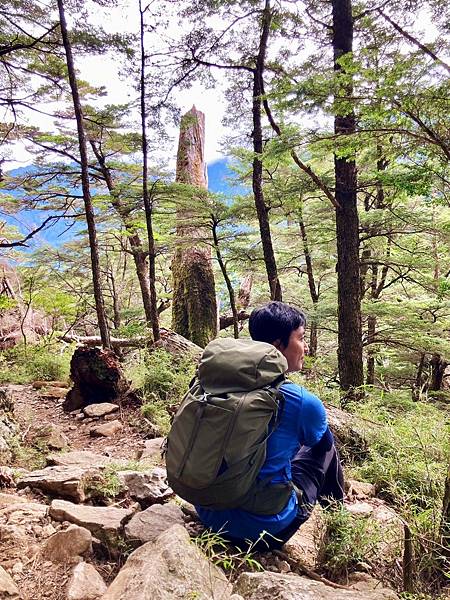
300, 449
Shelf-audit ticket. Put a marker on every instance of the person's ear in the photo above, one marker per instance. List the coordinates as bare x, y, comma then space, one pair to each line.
277, 343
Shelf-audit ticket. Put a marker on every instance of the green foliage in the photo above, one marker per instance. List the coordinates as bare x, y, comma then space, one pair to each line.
162, 380
43, 361
409, 445
232, 560
349, 543
105, 485
27, 456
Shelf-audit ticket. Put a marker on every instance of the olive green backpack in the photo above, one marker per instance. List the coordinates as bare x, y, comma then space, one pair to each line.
217, 444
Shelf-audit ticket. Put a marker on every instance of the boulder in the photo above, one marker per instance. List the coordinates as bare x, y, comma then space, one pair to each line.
350, 434
85, 583
50, 436
65, 545
6, 499
8, 589
62, 481
106, 429
100, 410
24, 513
268, 585
152, 451
105, 522
80, 458
169, 568
359, 489
147, 525
146, 487
305, 544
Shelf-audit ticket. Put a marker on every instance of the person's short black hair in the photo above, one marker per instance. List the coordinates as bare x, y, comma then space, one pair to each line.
275, 321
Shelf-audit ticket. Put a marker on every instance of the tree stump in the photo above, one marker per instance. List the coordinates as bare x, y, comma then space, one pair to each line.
97, 377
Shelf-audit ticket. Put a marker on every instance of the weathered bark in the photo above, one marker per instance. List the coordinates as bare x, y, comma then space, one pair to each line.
350, 359
97, 377
226, 277
88, 207
262, 210
227, 320
148, 204
438, 366
313, 291
245, 290
194, 307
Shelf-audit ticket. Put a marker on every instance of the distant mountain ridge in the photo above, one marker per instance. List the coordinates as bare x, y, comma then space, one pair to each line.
219, 181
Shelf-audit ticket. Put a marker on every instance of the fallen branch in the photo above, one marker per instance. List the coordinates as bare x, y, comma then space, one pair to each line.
171, 341
95, 340
227, 320
302, 570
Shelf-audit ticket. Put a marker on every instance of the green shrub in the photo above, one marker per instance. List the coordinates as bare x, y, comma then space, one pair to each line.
349, 543
162, 380
23, 364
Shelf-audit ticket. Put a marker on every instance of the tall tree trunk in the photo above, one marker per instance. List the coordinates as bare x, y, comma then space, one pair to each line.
347, 223
312, 287
226, 277
148, 203
137, 250
262, 209
194, 307
438, 366
89, 210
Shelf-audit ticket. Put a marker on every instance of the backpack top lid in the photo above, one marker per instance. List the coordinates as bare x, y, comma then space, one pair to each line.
229, 365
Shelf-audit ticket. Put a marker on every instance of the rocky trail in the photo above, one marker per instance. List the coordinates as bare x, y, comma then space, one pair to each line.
86, 514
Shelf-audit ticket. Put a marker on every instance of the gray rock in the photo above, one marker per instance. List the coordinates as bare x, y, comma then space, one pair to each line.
267, 586
305, 544
8, 589
51, 436
62, 481
100, 410
79, 458
106, 429
6, 499
152, 451
146, 486
360, 489
147, 525
85, 583
169, 568
64, 545
105, 522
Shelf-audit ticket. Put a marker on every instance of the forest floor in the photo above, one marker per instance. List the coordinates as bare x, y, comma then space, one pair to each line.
37, 578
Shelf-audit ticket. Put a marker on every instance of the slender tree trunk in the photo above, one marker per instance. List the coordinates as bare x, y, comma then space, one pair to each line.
419, 378
227, 280
148, 203
262, 209
89, 210
312, 287
139, 255
347, 223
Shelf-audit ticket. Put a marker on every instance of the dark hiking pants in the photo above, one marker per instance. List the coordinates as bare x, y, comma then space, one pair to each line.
318, 478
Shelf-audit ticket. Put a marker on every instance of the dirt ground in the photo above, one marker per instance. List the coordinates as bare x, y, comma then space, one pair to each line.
22, 534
